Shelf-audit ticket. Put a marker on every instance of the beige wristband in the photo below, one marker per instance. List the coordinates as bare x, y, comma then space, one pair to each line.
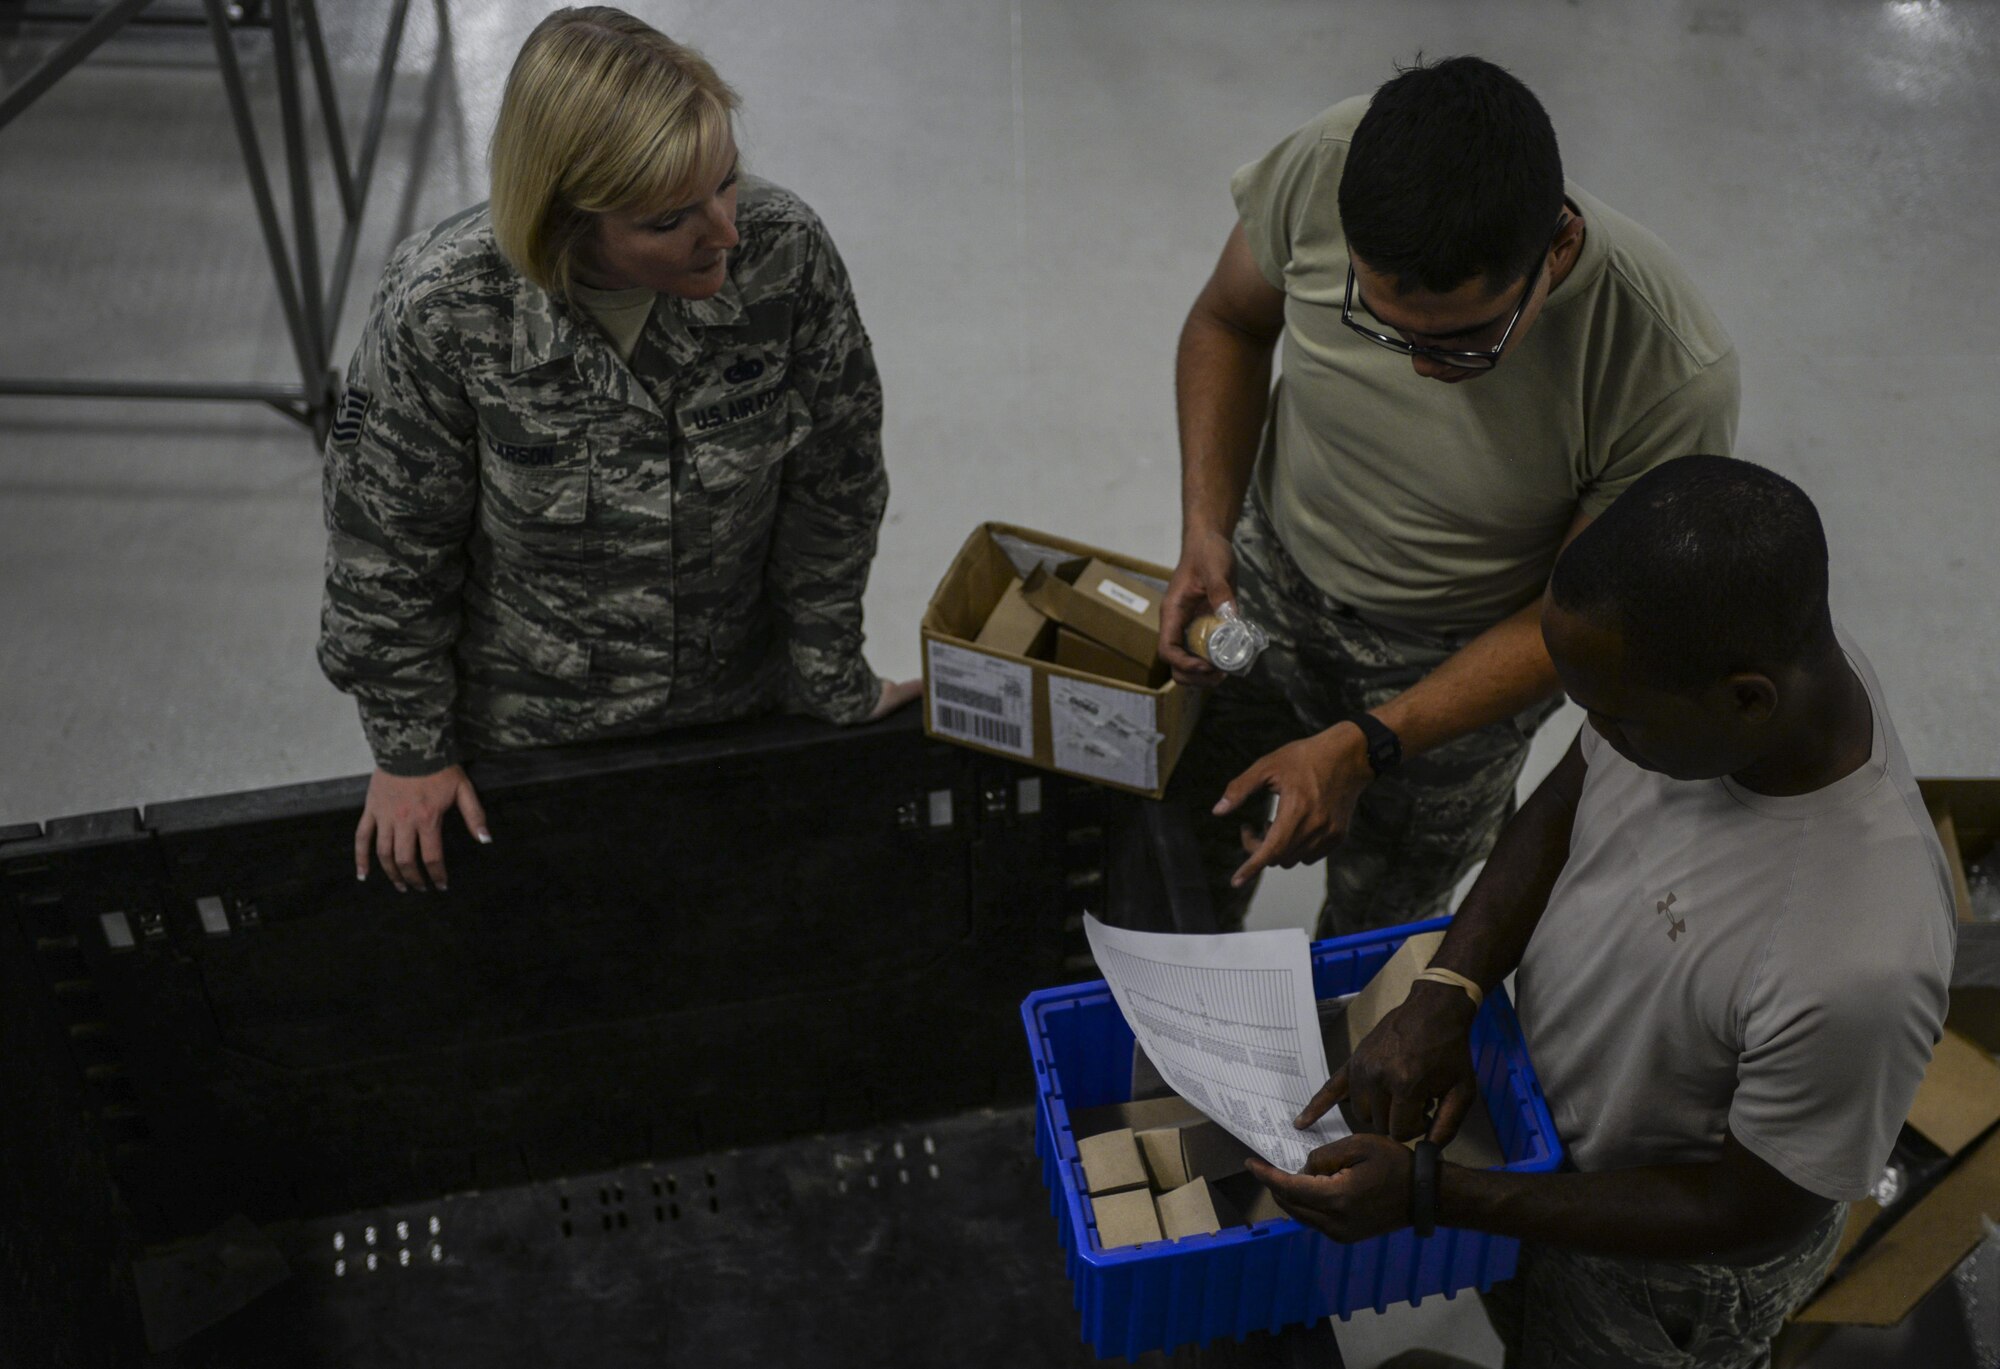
1443, 976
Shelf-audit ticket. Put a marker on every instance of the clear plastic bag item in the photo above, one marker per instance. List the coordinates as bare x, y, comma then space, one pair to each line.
1226, 640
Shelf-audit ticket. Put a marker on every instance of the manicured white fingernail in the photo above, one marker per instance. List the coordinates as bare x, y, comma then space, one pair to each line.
361, 876
485, 837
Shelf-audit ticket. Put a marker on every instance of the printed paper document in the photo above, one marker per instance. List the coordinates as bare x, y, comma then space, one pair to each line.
1230, 1023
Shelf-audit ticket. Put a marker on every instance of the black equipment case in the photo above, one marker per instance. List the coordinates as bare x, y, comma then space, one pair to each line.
712, 1057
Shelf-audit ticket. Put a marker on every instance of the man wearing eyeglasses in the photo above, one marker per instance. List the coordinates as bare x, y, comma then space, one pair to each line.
1478, 357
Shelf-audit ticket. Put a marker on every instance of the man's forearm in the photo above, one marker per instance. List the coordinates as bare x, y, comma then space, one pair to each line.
1497, 674
1661, 1212
1222, 381
1500, 912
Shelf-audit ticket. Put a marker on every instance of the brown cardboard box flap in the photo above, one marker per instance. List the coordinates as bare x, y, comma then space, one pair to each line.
1477, 1145
1959, 1097
966, 597
1913, 1256
1161, 1149
1127, 1218
1099, 605
1079, 652
1168, 1110
1250, 1200
1212, 1152
1198, 1148
1975, 985
1390, 986
1015, 627
1947, 833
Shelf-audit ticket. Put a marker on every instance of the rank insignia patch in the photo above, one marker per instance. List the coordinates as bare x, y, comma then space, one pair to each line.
354, 402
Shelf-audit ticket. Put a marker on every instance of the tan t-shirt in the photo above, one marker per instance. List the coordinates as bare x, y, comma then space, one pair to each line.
622, 314
1442, 507
1714, 959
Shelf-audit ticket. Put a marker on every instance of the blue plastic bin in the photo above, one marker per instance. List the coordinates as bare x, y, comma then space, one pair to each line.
1277, 1273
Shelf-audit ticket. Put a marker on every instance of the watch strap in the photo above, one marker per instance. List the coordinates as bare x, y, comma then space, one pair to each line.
1385, 748
1424, 1188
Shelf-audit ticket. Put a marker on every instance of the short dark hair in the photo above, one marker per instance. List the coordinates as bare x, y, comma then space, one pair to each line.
1706, 567
1452, 173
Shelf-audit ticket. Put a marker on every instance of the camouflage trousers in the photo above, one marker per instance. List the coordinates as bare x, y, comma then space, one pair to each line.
1417, 829
1565, 1310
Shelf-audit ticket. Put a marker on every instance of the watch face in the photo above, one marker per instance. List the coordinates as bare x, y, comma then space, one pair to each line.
1384, 748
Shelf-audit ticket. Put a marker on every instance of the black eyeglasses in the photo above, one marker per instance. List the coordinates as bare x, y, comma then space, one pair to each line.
1469, 361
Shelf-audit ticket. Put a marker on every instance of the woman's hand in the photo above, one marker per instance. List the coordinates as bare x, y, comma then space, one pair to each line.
895, 693
403, 824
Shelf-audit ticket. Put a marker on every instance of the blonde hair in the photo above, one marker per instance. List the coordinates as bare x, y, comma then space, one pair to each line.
603, 114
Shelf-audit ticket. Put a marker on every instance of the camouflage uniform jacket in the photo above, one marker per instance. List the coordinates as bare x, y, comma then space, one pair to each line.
532, 542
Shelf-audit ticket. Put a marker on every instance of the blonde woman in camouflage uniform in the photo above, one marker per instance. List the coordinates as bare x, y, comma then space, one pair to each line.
609, 454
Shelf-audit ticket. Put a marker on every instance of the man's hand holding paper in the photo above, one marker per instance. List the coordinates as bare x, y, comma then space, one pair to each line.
1412, 1075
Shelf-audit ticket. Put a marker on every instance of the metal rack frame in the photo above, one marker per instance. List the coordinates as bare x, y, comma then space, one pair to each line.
311, 300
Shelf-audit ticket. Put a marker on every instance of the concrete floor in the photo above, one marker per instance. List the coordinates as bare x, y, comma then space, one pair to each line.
1029, 195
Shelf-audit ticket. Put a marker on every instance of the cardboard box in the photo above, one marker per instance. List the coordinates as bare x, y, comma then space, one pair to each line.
1127, 1218
1891, 1260
1141, 1114
1015, 627
1046, 714
1187, 1152
1111, 1162
1103, 602
1193, 1209
1179, 1154
1249, 1200
1078, 652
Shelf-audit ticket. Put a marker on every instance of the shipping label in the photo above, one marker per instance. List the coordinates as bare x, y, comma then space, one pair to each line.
975, 698
1103, 733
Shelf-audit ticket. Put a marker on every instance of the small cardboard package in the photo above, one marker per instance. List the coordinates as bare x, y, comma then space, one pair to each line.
1127, 1218
1016, 627
1193, 1209
1056, 716
1891, 1258
1102, 602
1111, 1162
1193, 1181
1181, 1152
1079, 652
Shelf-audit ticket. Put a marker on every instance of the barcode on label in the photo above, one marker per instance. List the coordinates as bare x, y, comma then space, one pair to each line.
977, 726
971, 698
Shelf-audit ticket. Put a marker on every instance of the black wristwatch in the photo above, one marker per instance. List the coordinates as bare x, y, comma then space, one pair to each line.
1424, 1188
1385, 748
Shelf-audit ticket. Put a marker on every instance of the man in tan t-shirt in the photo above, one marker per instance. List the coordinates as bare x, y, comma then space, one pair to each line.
1477, 358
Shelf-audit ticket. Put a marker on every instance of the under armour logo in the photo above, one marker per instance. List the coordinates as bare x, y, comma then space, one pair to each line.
1675, 925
